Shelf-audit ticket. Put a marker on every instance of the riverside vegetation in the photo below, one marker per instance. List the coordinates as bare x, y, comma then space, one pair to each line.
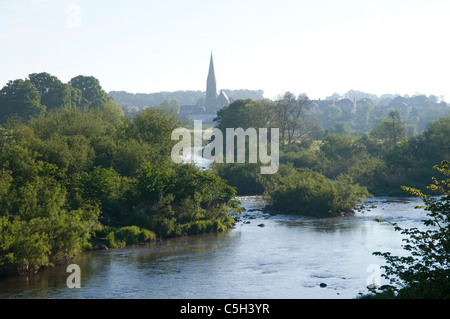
424, 272
75, 172
323, 172
318, 174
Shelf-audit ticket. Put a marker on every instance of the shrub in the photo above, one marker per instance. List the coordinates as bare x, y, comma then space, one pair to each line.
425, 273
128, 235
218, 226
112, 242
133, 235
305, 192
200, 226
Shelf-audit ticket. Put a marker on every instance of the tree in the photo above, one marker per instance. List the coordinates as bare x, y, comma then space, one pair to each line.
91, 90
390, 131
65, 174
100, 185
362, 114
20, 98
153, 128
53, 92
290, 117
36, 225
94, 97
306, 192
173, 104
173, 198
340, 152
342, 128
435, 141
425, 273
244, 114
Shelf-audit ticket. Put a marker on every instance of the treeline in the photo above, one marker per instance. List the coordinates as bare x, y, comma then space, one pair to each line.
357, 113
43, 92
80, 175
75, 172
323, 172
382, 160
133, 103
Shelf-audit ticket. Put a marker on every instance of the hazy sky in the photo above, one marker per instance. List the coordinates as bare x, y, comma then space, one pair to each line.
314, 47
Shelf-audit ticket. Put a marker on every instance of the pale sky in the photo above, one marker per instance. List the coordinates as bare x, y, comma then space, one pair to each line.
314, 47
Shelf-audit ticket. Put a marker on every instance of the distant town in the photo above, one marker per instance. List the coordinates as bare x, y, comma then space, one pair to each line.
355, 111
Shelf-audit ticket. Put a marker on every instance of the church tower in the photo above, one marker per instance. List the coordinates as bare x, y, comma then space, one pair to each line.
211, 90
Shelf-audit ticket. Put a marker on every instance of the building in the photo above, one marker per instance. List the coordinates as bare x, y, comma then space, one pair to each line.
213, 101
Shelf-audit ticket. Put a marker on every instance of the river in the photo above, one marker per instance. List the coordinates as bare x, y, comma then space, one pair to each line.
289, 257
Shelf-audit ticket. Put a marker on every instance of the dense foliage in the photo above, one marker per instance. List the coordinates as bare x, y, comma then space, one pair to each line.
75, 172
41, 92
305, 192
358, 112
381, 160
133, 103
425, 271
77, 175
315, 162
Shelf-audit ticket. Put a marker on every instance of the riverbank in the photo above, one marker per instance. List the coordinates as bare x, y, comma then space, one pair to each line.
287, 258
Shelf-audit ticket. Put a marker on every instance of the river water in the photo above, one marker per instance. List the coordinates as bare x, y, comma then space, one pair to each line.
287, 258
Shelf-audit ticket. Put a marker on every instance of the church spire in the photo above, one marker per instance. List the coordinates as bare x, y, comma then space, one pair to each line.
211, 75
211, 90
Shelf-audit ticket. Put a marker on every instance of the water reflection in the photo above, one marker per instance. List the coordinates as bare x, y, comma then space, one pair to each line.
287, 258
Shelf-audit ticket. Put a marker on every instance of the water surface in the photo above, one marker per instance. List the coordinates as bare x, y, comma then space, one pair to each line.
287, 258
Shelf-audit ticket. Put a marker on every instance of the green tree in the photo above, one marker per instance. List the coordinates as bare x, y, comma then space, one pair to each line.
153, 127
94, 97
342, 128
38, 228
340, 153
425, 272
101, 185
362, 114
173, 104
171, 198
245, 178
53, 92
306, 192
290, 117
20, 98
244, 114
91, 90
66, 173
390, 132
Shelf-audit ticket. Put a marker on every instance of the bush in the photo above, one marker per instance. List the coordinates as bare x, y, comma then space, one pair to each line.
129, 235
425, 272
76, 168
37, 229
245, 177
207, 226
133, 235
112, 242
305, 192
200, 226
218, 226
